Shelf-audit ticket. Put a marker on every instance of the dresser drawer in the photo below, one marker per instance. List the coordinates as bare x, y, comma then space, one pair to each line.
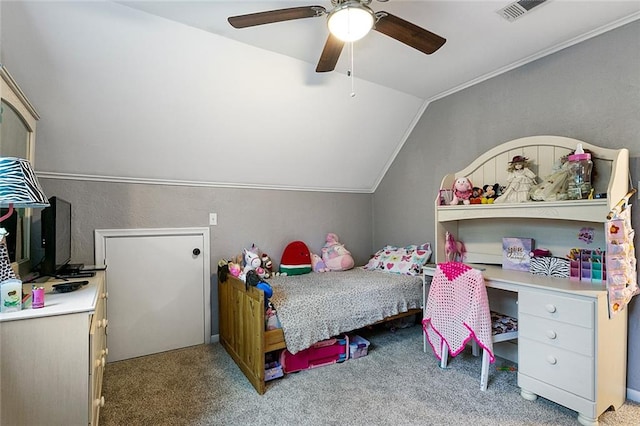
558, 308
560, 368
557, 334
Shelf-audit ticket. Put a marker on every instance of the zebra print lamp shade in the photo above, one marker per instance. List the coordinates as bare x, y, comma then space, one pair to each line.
19, 186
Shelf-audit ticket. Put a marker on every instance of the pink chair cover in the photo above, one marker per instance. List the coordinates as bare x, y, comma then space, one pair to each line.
457, 310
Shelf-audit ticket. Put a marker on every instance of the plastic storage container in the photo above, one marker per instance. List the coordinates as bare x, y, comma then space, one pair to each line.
358, 347
580, 167
11, 295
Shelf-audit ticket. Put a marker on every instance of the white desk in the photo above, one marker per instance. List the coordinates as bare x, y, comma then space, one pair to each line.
569, 350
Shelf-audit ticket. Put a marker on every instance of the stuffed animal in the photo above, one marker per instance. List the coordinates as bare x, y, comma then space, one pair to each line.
490, 192
476, 195
296, 259
267, 265
317, 264
335, 256
462, 190
251, 262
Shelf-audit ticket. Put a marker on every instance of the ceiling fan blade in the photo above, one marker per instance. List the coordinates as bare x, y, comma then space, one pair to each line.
279, 15
330, 54
408, 33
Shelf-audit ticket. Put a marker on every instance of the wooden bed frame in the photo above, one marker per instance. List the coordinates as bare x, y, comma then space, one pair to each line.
242, 329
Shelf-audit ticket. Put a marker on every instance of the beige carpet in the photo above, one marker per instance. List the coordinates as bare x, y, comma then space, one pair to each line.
395, 384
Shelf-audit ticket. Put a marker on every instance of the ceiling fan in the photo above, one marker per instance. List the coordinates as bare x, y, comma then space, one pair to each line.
348, 21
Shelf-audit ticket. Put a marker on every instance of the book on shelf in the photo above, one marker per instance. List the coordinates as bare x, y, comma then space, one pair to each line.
516, 253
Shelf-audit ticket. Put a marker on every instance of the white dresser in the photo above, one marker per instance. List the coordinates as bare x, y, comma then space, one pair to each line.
53, 358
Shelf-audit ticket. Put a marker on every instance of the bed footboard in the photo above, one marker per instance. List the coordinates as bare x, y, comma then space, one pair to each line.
242, 331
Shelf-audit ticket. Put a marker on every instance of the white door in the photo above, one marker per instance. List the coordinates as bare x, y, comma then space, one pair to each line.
159, 289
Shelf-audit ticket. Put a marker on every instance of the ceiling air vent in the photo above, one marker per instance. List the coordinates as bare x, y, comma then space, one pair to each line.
517, 9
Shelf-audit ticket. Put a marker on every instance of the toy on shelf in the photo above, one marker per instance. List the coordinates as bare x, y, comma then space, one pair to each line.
462, 191
476, 195
519, 182
454, 251
489, 193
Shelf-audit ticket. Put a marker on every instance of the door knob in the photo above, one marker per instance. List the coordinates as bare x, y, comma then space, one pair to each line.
196, 251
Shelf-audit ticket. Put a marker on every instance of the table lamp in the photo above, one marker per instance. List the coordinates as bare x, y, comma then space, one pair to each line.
19, 187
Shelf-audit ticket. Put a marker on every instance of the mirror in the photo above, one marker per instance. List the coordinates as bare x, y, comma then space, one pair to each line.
17, 139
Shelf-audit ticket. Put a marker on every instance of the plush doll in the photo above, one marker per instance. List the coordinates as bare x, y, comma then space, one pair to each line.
476, 195
234, 269
296, 259
462, 190
251, 262
317, 264
335, 256
267, 265
489, 193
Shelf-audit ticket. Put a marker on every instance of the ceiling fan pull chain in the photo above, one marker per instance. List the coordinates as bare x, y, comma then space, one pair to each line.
350, 73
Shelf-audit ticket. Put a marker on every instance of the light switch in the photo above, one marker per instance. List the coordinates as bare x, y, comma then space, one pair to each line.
213, 219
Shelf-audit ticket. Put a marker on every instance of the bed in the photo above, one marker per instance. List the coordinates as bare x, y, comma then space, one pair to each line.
311, 308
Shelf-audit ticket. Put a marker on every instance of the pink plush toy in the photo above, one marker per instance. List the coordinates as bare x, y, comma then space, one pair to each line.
317, 264
462, 190
336, 257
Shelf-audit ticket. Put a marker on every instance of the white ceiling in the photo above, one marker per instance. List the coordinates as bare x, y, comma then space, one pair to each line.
480, 43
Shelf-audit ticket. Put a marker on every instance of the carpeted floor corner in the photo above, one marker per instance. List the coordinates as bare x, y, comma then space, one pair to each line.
395, 384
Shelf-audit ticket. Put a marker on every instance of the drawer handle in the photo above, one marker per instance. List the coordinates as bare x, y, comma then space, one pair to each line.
551, 334
552, 360
550, 308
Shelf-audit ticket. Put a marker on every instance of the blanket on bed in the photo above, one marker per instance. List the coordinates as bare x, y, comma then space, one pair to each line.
318, 306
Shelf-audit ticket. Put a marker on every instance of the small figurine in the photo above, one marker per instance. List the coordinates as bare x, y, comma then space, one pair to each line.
519, 182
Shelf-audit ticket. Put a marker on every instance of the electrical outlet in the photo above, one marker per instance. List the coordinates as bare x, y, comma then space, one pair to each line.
213, 219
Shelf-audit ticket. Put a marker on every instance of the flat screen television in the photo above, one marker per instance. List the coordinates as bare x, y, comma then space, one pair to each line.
56, 236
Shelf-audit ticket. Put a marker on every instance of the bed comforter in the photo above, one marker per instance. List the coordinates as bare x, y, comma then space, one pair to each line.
318, 306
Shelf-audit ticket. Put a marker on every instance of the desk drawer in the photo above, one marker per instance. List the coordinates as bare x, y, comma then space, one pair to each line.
558, 308
557, 334
563, 369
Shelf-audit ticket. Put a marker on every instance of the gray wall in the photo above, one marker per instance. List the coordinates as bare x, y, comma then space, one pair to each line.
590, 91
270, 219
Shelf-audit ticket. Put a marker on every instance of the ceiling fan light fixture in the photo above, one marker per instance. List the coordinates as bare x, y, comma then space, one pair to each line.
350, 21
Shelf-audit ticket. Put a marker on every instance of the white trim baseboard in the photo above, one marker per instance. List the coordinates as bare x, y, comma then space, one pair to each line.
633, 395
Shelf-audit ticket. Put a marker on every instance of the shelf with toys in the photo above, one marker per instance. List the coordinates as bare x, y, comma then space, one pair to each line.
553, 224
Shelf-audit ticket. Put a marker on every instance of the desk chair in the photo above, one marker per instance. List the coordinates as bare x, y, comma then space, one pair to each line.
457, 312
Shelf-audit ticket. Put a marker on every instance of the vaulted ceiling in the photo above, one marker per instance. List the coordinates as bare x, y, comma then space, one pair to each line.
480, 41
167, 91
